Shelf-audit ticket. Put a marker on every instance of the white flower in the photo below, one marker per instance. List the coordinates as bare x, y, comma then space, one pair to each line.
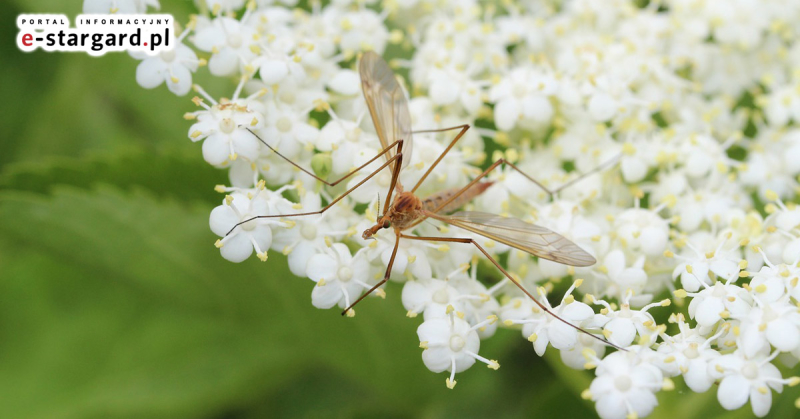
747, 378
430, 297
777, 324
542, 328
173, 67
643, 230
224, 127
524, 94
451, 344
623, 279
231, 43
625, 386
621, 326
305, 235
718, 302
256, 234
695, 271
688, 353
340, 277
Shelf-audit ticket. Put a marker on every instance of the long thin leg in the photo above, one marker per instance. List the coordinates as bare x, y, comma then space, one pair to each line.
513, 166
511, 278
385, 276
463, 129
397, 156
354, 171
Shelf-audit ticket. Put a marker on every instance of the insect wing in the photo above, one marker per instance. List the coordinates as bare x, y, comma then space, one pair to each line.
387, 103
536, 240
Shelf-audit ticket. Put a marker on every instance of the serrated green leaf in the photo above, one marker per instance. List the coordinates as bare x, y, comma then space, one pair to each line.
176, 173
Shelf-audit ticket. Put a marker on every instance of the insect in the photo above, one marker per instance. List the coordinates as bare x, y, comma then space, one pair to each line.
388, 108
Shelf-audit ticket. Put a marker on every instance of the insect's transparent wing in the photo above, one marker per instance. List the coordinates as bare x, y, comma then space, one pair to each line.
387, 103
536, 240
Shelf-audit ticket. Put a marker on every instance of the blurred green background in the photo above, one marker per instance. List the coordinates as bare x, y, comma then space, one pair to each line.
114, 302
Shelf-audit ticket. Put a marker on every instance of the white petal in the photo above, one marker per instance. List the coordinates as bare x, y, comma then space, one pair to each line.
322, 266
273, 72
435, 332
299, 257
245, 144
537, 108
733, 392
443, 92
760, 402
783, 335
506, 113
215, 149
612, 406
150, 72
437, 359
642, 401
697, 377
327, 295
623, 332
726, 269
561, 335
345, 82
708, 311
415, 295
237, 248
602, 107
184, 80
223, 63
633, 169
222, 219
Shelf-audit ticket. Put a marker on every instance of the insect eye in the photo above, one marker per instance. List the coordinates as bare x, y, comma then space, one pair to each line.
386, 224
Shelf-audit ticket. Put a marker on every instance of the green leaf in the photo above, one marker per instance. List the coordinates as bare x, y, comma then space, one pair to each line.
178, 173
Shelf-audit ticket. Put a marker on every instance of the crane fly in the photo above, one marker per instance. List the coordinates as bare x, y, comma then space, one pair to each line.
388, 108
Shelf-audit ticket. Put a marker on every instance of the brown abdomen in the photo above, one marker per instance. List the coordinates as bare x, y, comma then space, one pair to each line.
432, 202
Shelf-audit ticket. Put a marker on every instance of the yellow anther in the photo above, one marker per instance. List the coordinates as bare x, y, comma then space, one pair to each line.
493, 364
532, 338
668, 254
451, 384
263, 256
668, 385
219, 244
771, 195
586, 394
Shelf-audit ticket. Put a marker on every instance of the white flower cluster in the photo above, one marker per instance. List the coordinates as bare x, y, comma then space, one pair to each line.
701, 99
